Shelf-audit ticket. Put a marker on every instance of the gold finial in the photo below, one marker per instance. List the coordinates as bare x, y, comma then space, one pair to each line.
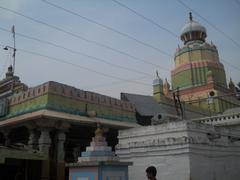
190, 16
98, 131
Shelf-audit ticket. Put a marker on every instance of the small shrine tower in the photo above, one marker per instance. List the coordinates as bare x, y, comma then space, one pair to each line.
98, 162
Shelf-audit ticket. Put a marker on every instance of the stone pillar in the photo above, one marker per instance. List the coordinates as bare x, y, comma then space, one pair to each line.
60, 138
6, 133
44, 144
32, 139
60, 156
60, 135
44, 141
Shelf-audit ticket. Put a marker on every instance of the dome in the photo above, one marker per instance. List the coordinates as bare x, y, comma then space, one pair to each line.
193, 31
193, 26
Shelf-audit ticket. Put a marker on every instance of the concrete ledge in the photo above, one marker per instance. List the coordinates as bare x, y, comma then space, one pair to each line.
104, 163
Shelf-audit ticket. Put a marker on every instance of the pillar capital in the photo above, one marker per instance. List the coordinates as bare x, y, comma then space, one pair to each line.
45, 123
31, 125
62, 126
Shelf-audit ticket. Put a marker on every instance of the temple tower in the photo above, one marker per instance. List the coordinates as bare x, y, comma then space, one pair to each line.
198, 70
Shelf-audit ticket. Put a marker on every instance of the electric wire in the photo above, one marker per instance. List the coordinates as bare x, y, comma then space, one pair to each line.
81, 53
94, 58
163, 28
76, 52
78, 66
145, 18
90, 41
80, 37
230, 65
112, 83
108, 28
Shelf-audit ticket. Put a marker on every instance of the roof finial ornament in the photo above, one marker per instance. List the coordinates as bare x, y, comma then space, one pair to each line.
190, 16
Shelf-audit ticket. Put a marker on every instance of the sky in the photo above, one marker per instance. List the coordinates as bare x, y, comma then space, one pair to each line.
106, 47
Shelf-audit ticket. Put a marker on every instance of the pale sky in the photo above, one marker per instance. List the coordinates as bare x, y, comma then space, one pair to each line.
95, 58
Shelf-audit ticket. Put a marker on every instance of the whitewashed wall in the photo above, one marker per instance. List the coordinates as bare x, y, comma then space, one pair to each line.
181, 151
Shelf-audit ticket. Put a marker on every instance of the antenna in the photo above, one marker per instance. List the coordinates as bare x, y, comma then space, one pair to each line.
14, 48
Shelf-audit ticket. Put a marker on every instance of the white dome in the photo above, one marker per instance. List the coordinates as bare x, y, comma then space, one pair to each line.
193, 26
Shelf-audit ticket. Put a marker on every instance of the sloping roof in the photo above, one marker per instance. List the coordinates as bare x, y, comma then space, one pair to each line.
148, 106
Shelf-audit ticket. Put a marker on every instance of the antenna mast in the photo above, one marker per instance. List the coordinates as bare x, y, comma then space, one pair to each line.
14, 48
